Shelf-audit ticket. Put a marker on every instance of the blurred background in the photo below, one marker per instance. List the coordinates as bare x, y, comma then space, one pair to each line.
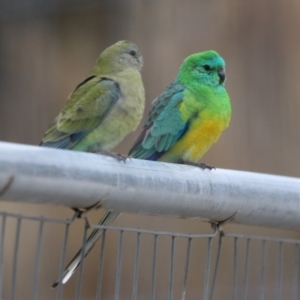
48, 47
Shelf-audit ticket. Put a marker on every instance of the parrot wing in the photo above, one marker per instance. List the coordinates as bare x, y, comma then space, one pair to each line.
164, 125
86, 108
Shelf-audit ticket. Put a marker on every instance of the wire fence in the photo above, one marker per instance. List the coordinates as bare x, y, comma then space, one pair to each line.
219, 262
173, 266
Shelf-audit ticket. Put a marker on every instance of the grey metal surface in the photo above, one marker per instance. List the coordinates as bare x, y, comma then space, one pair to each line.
73, 179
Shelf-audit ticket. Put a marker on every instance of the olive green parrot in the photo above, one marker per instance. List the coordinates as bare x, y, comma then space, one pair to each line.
102, 110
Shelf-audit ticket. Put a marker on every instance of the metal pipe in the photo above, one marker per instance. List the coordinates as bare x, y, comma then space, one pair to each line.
74, 179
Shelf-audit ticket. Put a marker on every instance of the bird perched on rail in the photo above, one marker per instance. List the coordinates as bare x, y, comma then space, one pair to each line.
189, 116
184, 122
102, 110
105, 107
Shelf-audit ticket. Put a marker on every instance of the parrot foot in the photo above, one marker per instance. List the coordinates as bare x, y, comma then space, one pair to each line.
205, 166
117, 156
200, 165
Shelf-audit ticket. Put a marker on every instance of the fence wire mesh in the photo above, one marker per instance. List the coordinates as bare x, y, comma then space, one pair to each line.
145, 264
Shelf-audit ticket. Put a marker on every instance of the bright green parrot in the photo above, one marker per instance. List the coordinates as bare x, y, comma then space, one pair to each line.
189, 116
184, 122
103, 109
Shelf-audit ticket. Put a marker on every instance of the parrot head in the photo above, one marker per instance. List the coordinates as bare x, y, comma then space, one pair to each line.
119, 56
205, 67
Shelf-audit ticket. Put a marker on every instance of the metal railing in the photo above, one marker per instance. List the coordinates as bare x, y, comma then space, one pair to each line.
73, 179
259, 267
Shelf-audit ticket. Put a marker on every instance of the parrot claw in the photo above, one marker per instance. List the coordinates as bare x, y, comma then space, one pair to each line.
205, 166
117, 156
121, 157
200, 165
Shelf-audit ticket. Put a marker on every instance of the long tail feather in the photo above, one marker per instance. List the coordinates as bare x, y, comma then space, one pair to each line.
108, 218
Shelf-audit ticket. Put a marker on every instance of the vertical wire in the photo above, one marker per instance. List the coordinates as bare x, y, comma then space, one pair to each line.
82, 255
15, 259
207, 269
263, 271
279, 273
234, 296
119, 267
2, 253
246, 269
221, 234
38, 261
62, 261
136, 267
296, 272
154, 267
171, 278
186, 268
101, 267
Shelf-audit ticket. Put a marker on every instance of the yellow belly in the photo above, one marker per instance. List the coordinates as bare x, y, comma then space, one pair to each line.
200, 136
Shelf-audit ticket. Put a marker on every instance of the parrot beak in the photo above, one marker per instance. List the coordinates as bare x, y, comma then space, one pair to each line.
141, 60
222, 74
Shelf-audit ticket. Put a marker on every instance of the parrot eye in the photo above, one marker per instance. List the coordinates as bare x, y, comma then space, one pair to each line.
132, 53
206, 67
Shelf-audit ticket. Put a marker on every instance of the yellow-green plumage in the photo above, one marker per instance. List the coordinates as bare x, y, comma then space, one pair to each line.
123, 118
190, 115
105, 107
101, 111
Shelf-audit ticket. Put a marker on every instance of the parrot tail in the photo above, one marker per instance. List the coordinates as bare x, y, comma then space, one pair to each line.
108, 218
